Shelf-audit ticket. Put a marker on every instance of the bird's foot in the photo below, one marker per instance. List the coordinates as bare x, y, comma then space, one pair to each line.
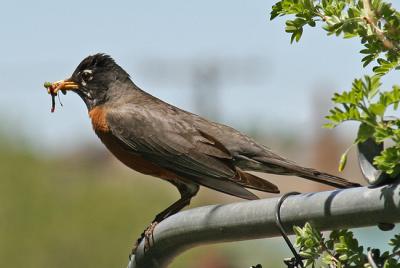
148, 237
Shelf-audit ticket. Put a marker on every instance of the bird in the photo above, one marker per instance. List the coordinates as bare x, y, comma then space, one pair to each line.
185, 149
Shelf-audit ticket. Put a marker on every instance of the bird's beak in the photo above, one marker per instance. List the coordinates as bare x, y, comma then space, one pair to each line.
63, 85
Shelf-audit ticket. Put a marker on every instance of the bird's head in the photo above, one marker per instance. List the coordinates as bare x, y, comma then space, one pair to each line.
94, 80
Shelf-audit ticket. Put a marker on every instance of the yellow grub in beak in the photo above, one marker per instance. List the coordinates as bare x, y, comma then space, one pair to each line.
53, 88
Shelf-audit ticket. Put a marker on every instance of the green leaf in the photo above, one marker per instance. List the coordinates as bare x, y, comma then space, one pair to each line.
389, 161
276, 10
375, 83
377, 109
343, 161
329, 125
395, 243
327, 259
391, 263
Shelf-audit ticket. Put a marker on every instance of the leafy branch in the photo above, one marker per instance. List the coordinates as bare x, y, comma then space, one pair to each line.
377, 25
341, 249
367, 104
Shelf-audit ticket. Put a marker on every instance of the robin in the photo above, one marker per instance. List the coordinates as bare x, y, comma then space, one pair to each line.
161, 140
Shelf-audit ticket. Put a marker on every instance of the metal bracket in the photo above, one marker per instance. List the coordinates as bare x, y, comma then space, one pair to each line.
366, 153
296, 261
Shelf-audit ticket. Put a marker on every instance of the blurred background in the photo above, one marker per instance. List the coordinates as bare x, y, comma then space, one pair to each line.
64, 200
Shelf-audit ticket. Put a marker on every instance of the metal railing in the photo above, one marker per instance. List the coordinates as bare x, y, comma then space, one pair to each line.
349, 208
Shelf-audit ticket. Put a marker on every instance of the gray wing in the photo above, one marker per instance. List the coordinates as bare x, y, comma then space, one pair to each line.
164, 137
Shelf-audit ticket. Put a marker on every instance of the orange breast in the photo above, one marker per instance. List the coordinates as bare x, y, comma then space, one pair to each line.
98, 116
129, 158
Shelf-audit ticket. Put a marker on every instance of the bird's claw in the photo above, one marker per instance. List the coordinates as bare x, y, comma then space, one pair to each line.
148, 236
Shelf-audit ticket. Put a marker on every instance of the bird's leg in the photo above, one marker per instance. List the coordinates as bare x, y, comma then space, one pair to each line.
174, 208
187, 191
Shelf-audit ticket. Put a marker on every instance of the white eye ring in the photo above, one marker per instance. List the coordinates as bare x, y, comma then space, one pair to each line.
87, 71
86, 76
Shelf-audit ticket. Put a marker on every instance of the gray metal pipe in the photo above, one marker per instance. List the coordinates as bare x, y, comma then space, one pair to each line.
349, 208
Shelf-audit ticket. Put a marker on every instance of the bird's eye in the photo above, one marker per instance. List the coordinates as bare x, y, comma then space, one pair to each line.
87, 75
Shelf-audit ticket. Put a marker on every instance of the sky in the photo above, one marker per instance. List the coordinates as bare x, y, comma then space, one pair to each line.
45, 40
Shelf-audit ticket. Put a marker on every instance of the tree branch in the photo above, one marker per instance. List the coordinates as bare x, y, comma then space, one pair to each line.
370, 18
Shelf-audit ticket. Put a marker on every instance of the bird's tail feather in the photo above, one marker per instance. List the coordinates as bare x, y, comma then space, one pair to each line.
283, 166
325, 178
